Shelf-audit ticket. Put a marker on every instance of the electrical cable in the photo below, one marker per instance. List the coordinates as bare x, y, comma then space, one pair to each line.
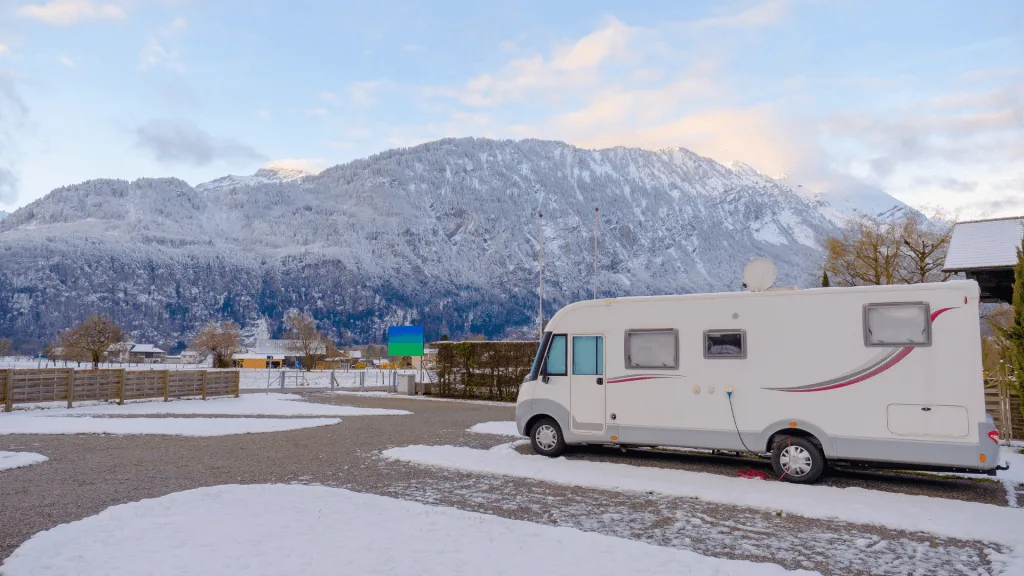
737, 426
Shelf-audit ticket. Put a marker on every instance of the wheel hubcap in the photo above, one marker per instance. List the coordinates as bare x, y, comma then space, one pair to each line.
546, 437
795, 460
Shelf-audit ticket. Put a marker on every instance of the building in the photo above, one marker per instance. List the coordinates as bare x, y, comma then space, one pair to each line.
986, 251
270, 353
146, 354
252, 360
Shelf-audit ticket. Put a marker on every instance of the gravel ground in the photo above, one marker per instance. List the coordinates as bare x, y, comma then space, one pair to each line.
88, 473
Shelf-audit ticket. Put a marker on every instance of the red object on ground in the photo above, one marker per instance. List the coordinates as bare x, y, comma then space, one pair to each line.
752, 475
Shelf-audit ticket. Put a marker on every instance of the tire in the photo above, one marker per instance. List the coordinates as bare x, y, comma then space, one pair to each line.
546, 438
797, 459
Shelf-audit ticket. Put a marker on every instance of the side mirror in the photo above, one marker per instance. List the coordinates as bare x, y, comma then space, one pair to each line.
545, 378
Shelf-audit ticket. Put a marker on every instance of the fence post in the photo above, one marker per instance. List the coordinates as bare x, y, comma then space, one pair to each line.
238, 382
71, 387
332, 379
362, 381
9, 391
282, 380
120, 386
204, 384
167, 384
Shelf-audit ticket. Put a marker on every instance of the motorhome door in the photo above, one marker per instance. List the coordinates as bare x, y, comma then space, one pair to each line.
586, 384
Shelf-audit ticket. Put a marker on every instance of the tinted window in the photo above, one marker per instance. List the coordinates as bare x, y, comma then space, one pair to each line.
587, 355
555, 365
897, 324
652, 349
539, 358
725, 344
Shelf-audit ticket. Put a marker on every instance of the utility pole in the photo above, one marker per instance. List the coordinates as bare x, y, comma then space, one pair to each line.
540, 273
595, 253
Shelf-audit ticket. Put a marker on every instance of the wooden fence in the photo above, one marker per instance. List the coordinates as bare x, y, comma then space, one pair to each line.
68, 384
1004, 406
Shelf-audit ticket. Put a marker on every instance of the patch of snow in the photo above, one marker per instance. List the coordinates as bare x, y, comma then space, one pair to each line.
11, 460
950, 518
273, 404
496, 428
320, 531
31, 423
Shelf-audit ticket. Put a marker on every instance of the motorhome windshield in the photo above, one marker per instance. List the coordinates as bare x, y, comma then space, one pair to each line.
539, 358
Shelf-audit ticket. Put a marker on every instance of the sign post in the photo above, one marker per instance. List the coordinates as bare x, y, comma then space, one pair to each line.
405, 341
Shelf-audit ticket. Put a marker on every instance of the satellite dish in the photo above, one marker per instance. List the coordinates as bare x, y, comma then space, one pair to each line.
759, 274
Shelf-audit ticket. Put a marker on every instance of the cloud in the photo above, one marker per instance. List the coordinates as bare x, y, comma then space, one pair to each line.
363, 93
162, 47
263, 114
572, 66
8, 186
183, 142
341, 145
4, 50
315, 112
412, 47
69, 12
760, 15
310, 165
947, 183
65, 61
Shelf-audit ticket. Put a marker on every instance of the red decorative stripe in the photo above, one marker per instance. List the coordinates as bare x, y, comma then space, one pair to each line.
892, 362
634, 379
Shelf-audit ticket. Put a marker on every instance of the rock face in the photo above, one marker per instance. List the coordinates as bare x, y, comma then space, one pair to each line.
444, 234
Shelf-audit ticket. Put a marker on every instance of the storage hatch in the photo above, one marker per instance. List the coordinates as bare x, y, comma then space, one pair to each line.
928, 420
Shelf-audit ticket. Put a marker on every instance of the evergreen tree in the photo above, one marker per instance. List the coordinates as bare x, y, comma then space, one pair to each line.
824, 280
1013, 334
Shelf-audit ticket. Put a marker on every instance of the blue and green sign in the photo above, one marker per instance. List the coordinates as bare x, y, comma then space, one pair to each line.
405, 341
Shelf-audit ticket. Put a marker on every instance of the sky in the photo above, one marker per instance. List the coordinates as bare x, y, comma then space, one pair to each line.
921, 99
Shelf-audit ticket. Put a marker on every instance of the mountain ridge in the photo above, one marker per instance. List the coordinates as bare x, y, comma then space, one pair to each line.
443, 234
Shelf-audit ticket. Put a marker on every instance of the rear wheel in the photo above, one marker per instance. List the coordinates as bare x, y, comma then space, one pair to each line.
797, 459
546, 438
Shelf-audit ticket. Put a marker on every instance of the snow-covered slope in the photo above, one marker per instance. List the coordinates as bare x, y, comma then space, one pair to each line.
443, 234
268, 175
3, 214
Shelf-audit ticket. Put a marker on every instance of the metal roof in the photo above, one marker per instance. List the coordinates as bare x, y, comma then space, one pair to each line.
985, 244
146, 348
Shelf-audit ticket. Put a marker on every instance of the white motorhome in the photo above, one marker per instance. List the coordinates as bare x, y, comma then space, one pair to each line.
874, 376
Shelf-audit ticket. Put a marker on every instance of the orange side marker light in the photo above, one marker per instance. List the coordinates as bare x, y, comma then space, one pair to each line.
792, 424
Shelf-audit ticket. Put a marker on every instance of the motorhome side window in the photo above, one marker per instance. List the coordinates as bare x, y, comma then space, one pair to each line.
725, 344
652, 349
897, 324
555, 364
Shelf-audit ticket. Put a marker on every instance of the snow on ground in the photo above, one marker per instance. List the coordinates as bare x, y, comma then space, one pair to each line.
102, 418
496, 428
273, 404
316, 530
949, 518
32, 423
1012, 479
381, 394
10, 460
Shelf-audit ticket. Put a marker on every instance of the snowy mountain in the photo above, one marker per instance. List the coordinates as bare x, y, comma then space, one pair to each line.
444, 234
3, 214
262, 176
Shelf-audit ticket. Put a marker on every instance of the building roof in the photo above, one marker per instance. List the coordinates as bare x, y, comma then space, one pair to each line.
279, 348
985, 244
355, 354
141, 348
248, 356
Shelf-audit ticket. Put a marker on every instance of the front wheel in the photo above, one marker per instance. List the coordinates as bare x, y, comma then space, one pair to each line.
797, 459
546, 438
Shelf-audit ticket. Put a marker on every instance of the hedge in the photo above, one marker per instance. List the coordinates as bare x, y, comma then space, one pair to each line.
487, 370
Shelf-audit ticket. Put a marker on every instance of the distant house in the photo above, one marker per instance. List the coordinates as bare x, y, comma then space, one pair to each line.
280, 353
120, 351
252, 360
146, 354
186, 357
986, 251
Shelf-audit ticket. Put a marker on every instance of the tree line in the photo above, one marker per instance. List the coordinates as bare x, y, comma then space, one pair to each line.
97, 338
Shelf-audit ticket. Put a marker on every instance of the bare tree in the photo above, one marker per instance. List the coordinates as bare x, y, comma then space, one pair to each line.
221, 339
924, 252
307, 341
90, 339
873, 252
866, 252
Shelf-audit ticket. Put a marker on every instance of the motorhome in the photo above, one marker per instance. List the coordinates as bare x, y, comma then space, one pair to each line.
872, 376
